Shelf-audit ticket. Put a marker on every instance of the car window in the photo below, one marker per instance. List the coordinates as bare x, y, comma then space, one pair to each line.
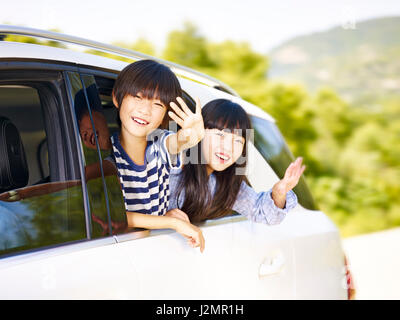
95, 141
40, 204
270, 143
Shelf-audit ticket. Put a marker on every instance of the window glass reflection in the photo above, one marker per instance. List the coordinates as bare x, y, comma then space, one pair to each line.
116, 222
90, 138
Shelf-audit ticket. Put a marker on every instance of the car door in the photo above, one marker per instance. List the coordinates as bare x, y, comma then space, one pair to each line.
240, 261
261, 256
50, 245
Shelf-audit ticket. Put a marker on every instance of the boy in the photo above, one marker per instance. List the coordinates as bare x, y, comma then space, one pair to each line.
144, 154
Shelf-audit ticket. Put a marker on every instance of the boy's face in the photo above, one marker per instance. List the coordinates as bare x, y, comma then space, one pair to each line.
140, 116
87, 134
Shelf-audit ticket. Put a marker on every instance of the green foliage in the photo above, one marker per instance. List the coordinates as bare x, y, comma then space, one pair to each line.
291, 108
187, 47
140, 45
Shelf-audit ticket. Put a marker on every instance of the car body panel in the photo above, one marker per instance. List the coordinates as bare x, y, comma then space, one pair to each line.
69, 272
227, 269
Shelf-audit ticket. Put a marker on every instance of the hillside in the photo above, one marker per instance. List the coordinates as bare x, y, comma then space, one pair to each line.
361, 63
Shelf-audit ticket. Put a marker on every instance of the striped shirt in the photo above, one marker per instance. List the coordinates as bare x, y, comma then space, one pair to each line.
145, 188
256, 206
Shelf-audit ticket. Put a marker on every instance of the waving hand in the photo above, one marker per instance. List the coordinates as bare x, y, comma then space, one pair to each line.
191, 123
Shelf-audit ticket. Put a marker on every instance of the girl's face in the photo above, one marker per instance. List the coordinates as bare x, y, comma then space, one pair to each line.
140, 116
221, 148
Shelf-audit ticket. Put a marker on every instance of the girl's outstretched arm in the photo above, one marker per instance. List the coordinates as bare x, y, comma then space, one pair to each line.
260, 207
270, 207
288, 182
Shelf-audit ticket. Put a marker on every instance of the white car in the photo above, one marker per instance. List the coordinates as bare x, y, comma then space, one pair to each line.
62, 237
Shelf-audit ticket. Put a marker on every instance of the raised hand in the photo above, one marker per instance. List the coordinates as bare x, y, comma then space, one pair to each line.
292, 176
289, 181
191, 123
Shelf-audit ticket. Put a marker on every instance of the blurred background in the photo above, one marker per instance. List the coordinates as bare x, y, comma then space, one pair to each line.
328, 72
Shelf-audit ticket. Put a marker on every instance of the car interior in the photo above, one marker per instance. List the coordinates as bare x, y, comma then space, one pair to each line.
29, 119
23, 137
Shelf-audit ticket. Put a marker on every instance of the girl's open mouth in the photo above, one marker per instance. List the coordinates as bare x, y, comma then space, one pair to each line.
222, 157
140, 121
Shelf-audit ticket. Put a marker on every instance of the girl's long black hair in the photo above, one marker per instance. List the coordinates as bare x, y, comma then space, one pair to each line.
199, 204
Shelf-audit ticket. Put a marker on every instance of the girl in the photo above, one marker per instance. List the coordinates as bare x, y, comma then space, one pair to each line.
209, 187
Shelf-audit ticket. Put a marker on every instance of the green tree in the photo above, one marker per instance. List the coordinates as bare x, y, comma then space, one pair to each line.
187, 47
140, 45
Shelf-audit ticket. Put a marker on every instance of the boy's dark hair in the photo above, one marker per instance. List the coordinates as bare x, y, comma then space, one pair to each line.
81, 108
152, 79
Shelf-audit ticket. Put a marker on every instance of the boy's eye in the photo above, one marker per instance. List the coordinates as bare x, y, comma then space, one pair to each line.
239, 141
160, 105
138, 97
219, 134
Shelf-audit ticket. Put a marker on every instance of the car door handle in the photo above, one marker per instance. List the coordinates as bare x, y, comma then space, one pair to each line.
272, 265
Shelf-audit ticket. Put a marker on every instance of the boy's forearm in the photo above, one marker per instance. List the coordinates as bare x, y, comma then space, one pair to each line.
147, 221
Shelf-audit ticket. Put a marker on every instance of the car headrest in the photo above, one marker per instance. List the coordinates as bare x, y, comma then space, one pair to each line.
14, 172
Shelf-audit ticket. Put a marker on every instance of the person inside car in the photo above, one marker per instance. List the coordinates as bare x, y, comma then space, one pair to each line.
84, 119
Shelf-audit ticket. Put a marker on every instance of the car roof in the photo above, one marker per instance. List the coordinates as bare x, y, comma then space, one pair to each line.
122, 52
34, 51
19, 50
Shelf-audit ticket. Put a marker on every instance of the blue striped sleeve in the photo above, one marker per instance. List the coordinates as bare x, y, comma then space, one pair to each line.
174, 161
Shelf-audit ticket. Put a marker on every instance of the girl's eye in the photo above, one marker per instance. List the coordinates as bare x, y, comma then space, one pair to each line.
219, 134
239, 141
138, 97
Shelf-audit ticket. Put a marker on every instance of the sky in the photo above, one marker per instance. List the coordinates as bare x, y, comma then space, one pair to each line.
264, 24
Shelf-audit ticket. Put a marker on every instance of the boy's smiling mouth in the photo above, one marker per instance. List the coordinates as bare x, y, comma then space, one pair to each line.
140, 121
